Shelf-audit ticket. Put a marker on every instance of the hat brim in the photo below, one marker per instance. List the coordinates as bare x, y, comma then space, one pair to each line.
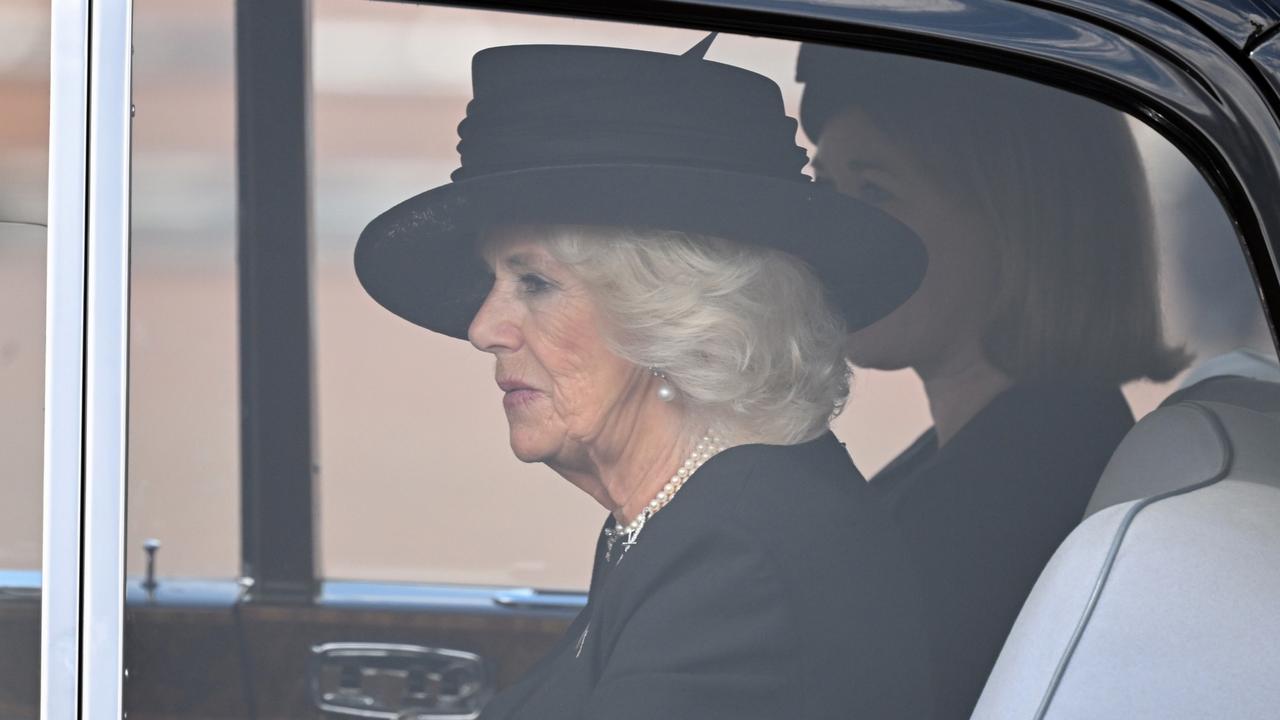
419, 259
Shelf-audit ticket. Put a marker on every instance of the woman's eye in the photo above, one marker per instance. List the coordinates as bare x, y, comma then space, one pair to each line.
531, 284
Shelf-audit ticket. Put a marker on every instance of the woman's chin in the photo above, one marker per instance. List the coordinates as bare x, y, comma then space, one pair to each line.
525, 456
528, 448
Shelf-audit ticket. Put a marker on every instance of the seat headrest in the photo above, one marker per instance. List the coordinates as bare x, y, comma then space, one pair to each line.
1252, 394
1220, 427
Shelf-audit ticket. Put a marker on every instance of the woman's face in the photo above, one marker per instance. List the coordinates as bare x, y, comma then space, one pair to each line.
564, 390
953, 304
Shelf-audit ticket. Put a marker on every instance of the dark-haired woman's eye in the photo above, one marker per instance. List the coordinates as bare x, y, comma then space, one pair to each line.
534, 284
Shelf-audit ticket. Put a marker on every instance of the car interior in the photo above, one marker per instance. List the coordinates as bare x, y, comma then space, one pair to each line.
330, 537
1172, 568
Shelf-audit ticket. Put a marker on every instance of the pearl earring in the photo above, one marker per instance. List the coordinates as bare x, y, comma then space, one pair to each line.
666, 393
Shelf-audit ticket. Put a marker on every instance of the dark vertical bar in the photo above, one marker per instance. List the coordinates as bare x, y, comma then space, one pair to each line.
274, 255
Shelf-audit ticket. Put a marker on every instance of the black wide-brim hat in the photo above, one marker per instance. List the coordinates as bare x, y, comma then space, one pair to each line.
583, 135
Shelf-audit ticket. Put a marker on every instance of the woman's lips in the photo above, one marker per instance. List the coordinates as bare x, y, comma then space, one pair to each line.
516, 393
519, 397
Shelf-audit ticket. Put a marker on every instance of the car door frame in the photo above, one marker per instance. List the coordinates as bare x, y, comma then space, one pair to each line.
1160, 62
86, 359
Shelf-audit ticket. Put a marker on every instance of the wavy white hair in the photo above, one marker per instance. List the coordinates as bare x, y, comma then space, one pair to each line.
743, 332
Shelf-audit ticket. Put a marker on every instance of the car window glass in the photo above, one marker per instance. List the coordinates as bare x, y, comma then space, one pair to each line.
183, 408
1051, 313
24, 132
183, 353
414, 97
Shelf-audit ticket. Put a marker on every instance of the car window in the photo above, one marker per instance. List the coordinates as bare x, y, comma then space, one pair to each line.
393, 473
1074, 271
24, 95
183, 296
414, 97
23, 375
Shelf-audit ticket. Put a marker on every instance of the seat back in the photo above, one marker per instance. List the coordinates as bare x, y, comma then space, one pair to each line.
1165, 602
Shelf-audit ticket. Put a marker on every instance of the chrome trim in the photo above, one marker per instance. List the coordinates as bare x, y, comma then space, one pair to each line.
361, 596
427, 597
106, 359
64, 360
182, 593
378, 654
531, 599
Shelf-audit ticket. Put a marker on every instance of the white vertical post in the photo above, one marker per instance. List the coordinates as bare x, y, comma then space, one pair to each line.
106, 359
86, 360
64, 359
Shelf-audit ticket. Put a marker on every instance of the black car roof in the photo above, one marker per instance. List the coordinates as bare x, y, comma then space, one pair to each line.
1242, 23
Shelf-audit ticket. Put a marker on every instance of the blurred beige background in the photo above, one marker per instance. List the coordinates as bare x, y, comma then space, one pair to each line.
24, 135
416, 482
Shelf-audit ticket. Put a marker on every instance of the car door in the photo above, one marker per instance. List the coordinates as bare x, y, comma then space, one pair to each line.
321, 516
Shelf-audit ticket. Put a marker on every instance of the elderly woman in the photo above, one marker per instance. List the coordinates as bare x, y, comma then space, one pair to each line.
666, 295
1039, 302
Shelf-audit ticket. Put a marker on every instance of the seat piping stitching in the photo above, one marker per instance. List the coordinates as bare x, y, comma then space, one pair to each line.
1105, 572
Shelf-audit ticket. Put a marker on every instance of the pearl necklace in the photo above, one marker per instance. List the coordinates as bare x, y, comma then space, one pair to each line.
706, 448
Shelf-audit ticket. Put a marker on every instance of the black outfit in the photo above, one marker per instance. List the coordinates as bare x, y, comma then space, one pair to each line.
982, 516
768, 588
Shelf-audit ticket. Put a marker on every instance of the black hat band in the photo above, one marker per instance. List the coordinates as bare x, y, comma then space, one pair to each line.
494, 150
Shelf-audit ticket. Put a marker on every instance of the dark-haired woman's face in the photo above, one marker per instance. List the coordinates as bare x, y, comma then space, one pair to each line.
948, 313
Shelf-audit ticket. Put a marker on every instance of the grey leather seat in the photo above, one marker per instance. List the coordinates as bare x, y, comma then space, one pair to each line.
1165, 602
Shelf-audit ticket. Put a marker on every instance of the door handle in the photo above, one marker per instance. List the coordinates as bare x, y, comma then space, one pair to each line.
398, 682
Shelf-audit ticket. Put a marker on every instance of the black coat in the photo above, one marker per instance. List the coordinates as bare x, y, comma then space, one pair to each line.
982, 516
764, 590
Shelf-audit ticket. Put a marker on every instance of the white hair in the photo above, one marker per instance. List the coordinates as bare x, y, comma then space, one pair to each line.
743, 332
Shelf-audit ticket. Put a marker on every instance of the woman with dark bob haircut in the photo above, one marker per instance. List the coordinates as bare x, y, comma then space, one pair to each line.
1040, 300
666, 295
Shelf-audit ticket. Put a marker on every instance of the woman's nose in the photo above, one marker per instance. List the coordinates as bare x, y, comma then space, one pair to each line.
494, 328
